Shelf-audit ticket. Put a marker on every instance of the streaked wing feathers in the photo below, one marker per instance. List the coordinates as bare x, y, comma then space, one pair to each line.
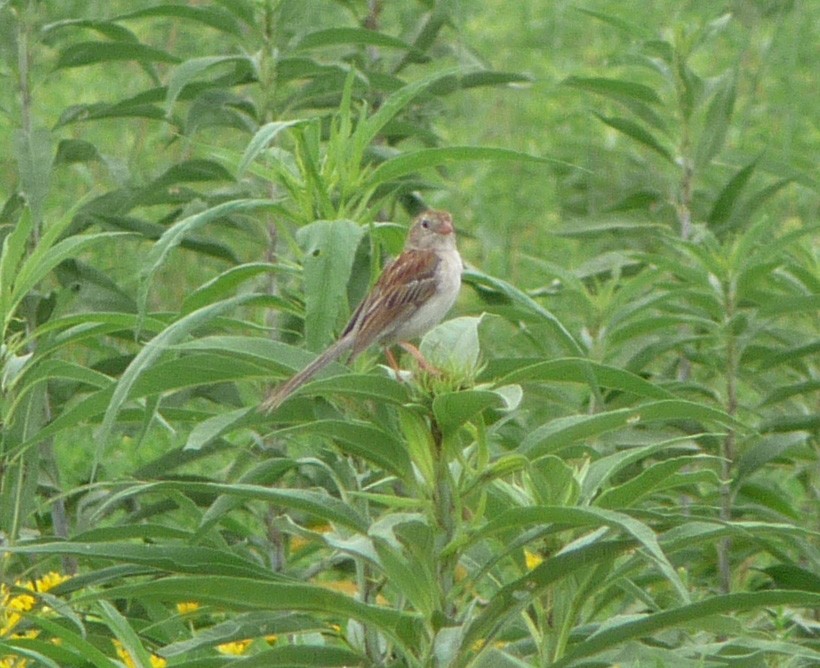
405, 284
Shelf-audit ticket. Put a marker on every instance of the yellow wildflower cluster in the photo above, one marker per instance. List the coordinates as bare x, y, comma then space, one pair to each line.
187, 607
128, 660
532, 560
14, 605
235, 648
240, 647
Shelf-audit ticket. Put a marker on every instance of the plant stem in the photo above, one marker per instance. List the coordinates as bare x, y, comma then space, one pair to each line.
445, 516
728, 444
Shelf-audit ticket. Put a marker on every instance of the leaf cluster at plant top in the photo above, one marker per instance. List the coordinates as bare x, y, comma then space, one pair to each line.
617, 463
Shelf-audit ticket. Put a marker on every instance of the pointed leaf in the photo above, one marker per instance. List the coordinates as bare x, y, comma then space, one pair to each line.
178, 231
716, 123
247, 594
330, 248
727, 198
260, 141
638, 133
614, 88
89, 53
188, 71
649, 624
413, 161
345, 35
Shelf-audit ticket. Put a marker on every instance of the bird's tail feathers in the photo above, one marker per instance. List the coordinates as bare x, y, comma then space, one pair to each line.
283, 391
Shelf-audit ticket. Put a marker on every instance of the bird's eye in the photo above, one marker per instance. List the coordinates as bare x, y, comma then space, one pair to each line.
425, 223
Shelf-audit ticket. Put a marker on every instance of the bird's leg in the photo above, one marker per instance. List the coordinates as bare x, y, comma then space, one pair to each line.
423, 363
391, 359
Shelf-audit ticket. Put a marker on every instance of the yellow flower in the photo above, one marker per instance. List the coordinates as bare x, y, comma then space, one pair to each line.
13, 661
49, 581
187, 607
12, 606
235, 648
532, 560
127, 659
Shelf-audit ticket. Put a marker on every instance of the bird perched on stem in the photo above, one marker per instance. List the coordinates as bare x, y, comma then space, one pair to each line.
412, 295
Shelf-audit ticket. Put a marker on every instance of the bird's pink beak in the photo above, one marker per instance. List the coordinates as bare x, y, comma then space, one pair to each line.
446, 226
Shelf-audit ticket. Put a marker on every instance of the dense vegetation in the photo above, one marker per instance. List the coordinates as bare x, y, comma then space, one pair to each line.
619, 461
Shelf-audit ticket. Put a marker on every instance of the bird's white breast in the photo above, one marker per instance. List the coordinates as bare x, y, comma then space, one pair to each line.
429, 314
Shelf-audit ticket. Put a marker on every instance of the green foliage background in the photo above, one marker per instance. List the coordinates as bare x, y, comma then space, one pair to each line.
617, 466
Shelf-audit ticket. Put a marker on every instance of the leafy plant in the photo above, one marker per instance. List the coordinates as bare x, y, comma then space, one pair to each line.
614, 465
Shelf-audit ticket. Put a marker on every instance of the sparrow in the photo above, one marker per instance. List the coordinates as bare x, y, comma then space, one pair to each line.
413, 294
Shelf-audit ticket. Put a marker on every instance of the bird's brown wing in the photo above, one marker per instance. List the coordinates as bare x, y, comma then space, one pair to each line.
405, 284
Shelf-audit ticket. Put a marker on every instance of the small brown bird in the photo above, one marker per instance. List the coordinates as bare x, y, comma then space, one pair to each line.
412, 295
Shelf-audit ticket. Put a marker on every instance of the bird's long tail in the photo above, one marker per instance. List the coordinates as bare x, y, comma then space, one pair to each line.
279, 394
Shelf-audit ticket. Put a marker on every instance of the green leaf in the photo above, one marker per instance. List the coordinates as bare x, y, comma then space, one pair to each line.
14, 249
301, 656
110, 29
559, 433
413, 161
68, 638
617, 634
614, 88
248, 594
770, 497
45, 258
149, 354
14, 649
514, 596
228, 281
631, 29
791, 576
361, 439
367, 131
594, 228
260, 141
90, 53
317, 504
659, 476
453, 345
209, 16
122, 630
34, 154
453, 409
786, 423
785, 392
241, 626
358, 36
207, 431
420, 444
577, 370
178, 231
192, 559
454, 83
638, 133
604, 469
127, 108
330, 248
526, 304
266, 472
587, 517
766, 450
728, 196
411, 578
188, 71
718, 118
360, 386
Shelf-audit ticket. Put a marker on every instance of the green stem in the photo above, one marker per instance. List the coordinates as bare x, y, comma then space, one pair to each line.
728, 445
